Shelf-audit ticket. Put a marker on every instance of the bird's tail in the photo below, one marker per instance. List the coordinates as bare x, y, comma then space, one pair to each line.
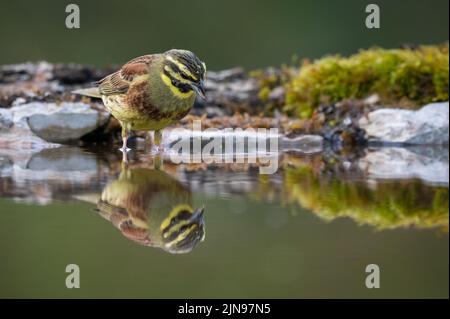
92, 92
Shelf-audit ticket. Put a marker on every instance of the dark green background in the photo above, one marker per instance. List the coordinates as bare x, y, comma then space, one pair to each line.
223, 33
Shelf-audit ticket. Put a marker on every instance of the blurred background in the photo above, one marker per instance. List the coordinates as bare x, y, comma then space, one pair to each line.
224, 33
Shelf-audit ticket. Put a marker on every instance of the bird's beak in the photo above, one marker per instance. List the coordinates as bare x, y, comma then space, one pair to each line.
199, 88
197, 216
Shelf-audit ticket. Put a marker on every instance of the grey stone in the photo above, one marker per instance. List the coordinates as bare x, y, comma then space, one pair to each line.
57, 123
427, 126
5, 120
19, 101
63, 127
304, 144
39, 177
427, 163
23, 140
38, 125
213, 111
63, 159
277, 94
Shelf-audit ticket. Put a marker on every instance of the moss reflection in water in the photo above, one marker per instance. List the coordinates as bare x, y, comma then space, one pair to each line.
389, 204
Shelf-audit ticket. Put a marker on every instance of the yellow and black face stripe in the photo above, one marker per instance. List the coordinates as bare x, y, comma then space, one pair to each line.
184, 71
188, 62
182, 229
178, 79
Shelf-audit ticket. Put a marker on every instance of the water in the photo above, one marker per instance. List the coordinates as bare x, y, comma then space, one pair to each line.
309, 230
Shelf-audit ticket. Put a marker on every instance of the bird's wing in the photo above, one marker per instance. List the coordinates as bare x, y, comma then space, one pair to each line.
91, 92
107, 210
120, 81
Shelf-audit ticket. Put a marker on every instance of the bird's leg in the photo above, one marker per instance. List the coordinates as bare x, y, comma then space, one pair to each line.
124, 149
148, 142
124, 157
157, 140
124, 165
158, 162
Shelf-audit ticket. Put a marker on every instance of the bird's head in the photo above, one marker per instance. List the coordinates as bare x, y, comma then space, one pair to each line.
182, 229
183, 72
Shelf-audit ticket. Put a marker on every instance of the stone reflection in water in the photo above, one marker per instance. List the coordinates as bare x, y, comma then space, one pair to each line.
153, 209
383, 187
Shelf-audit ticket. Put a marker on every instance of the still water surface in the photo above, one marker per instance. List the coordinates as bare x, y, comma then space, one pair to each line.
219, 230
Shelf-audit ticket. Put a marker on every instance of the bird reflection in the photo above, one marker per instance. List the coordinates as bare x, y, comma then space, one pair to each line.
153, 209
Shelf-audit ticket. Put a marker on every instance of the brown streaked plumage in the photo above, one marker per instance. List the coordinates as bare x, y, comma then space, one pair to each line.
151, 92
119, 82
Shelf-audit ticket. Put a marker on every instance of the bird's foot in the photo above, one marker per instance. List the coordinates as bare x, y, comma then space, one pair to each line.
157, 149
124, 149
160, 148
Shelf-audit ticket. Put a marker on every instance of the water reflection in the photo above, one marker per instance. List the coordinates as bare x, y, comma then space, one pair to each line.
281, 231
153, 209
384, 204
384, 188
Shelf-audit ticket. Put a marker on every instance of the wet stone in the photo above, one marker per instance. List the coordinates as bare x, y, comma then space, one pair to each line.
426, 126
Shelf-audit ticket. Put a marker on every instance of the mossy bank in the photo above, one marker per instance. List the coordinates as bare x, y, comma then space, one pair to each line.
404, 77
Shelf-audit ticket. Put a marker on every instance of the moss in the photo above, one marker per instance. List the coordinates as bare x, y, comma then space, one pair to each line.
407, 77
389, 205
270, 79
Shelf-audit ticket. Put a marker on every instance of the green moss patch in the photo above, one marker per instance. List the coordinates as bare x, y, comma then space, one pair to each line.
401, 77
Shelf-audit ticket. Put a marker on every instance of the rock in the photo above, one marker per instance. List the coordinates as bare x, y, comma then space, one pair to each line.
339, 122
72, 73
231, 90
19, 101
17, 140
307, 144
427, 126
5, 120
372, 99
50, 123
16, 136
63, 159
277, 95
50, 174
210, 111
63, 127
24, 71
427, 163
54, 123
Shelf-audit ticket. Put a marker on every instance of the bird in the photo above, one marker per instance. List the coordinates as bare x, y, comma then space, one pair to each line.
153, 209
152, 91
